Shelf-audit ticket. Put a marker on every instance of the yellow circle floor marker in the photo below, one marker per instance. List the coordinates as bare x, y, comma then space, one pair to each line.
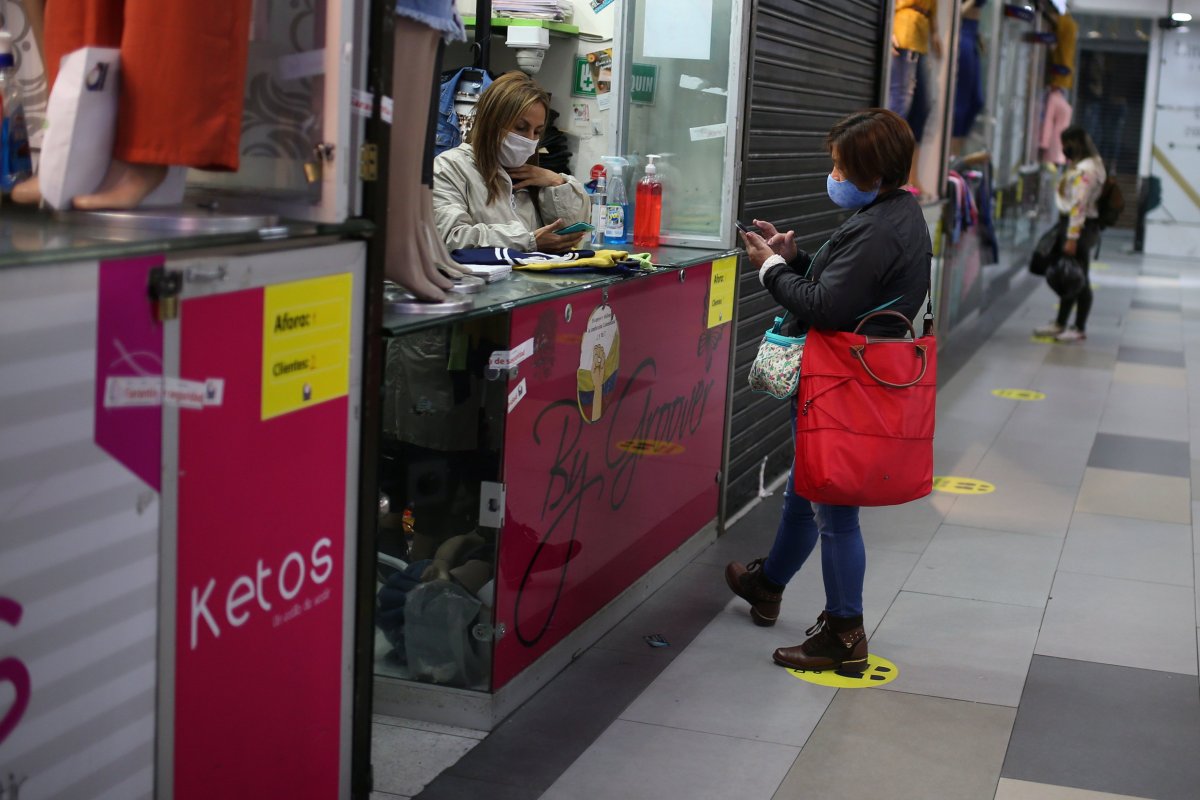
879, 671
650, 447
1044, 339
954, 485
1101, 266
1018, 394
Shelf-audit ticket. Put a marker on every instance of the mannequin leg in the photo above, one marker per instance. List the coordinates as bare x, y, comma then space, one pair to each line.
409, 260
171, 112
70, 25
435, 248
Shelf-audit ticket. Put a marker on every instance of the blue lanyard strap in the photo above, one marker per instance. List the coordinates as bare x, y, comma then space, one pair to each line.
777, 328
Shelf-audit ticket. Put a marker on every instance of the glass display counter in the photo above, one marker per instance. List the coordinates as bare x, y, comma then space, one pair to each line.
29, 236
542, 455
180, 428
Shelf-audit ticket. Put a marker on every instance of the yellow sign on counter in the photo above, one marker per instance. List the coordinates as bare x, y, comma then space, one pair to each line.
306, 343
720, 291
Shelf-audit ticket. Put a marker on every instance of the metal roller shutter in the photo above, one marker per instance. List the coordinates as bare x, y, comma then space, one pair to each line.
811, 63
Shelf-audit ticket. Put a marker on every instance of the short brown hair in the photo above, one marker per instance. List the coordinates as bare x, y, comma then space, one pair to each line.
500, 106
873, 145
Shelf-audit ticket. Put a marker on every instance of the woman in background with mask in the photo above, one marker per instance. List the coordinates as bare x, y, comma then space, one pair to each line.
878, 258
489, 191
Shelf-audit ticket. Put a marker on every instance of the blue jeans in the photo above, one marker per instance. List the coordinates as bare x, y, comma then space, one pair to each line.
903, 82
437, 14
843, 555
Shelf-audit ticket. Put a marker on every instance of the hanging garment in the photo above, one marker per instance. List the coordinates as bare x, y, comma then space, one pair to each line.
172, 111
1056, 118
449, 126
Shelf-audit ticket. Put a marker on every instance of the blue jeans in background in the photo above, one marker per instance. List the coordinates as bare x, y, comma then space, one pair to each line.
440, 15
903, 82
843, 555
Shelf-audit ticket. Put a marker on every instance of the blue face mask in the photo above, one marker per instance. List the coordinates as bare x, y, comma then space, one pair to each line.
847, 195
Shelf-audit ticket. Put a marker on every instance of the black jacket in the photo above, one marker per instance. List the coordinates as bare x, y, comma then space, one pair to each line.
880, 254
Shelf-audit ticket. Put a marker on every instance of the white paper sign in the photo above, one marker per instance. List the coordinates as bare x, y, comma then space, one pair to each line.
214, 391
362, 103
301, 65
708, 132
132, 391
185, 394
385, 109
517, 395
504, 359
678, 29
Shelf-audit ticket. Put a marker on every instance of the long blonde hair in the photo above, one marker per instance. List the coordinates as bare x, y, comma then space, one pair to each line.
500, 106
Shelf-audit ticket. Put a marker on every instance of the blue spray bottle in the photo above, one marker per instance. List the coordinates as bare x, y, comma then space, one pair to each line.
15, 161
618, 219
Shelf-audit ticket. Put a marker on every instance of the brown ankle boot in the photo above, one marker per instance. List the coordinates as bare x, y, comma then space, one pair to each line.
844, 651
747, 582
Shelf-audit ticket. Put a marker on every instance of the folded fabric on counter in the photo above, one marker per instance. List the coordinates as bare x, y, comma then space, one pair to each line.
489, 272
588, 260
516, 258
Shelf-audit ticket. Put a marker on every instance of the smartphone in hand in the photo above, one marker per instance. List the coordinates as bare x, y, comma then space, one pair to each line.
578, 227
747, 227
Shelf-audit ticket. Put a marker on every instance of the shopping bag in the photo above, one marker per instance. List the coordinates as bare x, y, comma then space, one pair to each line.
1046, 250
865, 417
81, 120
776, 367
1066, 277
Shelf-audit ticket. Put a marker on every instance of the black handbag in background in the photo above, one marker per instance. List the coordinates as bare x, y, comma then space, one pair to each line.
1066, 277
1047, 250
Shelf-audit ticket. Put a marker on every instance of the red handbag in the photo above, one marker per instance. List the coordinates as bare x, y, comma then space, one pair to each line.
865, 417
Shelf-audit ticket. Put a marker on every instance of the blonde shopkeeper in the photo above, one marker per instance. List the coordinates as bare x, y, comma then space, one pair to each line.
490, 192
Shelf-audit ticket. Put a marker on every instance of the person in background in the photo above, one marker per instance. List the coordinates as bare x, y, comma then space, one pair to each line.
1056, 118
490, 192
879, 257
1078, 191
914, 36
968, 88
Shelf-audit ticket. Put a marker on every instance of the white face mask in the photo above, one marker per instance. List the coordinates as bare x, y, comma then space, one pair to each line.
515, 150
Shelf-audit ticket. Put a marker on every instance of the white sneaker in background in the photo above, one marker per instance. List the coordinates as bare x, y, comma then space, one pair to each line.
1071, 335
1047, 331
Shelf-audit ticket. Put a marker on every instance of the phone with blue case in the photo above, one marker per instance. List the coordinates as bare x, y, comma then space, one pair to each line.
578, 227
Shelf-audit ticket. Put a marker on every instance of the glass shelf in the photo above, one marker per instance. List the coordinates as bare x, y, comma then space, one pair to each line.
526, 288
29, 237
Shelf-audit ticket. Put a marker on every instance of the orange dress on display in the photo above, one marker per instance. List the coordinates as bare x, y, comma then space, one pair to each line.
183, 73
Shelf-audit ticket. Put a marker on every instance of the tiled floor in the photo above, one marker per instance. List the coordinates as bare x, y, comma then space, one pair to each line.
1045, 633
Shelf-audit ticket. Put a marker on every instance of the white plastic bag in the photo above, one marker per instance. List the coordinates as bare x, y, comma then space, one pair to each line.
81, 121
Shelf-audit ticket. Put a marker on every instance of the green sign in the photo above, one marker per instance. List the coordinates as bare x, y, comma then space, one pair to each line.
582, 84
644, 82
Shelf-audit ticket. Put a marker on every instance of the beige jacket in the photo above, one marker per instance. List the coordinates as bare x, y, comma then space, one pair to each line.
1078, 190
464, 218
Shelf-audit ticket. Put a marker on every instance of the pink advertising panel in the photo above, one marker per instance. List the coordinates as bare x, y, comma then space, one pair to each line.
261, 540
612, 448
129, 349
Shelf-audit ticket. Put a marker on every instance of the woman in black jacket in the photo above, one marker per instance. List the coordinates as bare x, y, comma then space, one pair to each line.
878, 258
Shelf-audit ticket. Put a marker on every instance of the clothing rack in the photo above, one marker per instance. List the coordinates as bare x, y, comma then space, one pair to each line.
482, 47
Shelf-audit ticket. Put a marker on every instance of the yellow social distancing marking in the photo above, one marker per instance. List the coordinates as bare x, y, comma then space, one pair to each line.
955, 485
1018, 394
650, 447
720, 291
879, 672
